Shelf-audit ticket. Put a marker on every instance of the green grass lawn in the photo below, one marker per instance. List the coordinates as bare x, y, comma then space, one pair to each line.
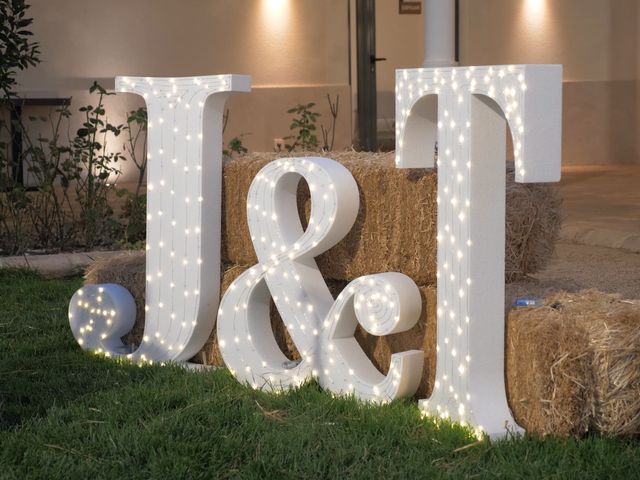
65, 413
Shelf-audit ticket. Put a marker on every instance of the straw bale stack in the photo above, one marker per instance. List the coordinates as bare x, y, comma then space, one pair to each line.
395, 230
573, 365
565, 375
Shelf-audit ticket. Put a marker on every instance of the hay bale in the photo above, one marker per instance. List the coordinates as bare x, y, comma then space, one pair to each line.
532, 227
396, 226
547, 364
574, 365
614, 336
396, 218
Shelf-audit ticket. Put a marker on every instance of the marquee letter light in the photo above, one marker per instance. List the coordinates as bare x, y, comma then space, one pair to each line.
464, 109
321, 328
184, 189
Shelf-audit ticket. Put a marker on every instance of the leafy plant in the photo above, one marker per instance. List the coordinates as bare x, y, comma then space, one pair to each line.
304, 127
69, 204
136, 129
329, 134
235, 146
135, 207
134, 212
49, 165
95, 166
17, 51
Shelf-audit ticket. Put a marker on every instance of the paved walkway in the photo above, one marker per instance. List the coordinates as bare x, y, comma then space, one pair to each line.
602, 205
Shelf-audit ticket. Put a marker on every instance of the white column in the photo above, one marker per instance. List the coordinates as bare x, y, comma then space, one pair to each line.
439, 33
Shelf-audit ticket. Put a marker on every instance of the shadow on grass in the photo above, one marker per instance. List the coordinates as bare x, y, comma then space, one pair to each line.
41, 365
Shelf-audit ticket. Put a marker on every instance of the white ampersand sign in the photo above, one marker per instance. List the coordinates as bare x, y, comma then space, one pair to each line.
466, 111
184, 191
321, 328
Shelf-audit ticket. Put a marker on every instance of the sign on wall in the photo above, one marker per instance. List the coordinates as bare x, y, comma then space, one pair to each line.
411, 7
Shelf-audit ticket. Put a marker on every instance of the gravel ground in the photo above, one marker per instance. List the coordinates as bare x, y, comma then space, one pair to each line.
577, 267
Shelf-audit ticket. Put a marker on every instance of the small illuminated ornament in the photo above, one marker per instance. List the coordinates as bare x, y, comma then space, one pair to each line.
95, 318
321, 328
184, 181
464, 109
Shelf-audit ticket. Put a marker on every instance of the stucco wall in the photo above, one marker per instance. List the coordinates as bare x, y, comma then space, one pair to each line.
298, 50
592, 38
597, 41
400, 39
636, 131
272, 40
295, 51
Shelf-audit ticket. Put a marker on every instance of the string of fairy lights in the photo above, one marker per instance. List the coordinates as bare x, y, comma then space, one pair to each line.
456, 90
321, 328
181, 255
183, 243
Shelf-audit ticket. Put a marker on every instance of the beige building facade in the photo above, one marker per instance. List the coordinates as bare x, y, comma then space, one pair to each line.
298, 51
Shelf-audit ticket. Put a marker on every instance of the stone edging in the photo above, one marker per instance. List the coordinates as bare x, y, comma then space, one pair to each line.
586, 234
57, 265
